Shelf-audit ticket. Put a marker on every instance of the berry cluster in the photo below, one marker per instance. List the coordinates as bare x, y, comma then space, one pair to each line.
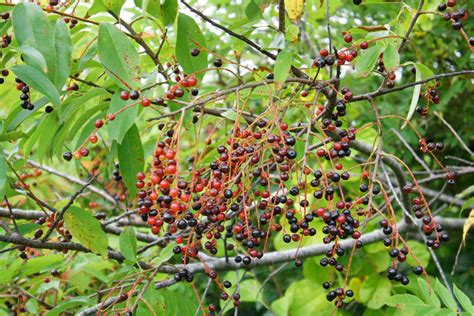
454, 16
25, 95
116, 173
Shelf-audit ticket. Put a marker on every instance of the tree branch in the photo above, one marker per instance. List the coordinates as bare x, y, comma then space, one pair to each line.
383, 91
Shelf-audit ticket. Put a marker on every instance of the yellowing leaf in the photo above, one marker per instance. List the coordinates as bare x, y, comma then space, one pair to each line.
87, 230
294, 8
467, 225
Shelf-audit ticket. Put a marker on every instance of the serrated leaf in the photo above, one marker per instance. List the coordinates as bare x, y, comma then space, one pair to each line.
131, 161
38, 81
294, 9
282, 68
391, 57
429, 295
367, 60
118, 56
446, 296
189, 36
122, 123
422, 72
464, 300
128, 243
87, 230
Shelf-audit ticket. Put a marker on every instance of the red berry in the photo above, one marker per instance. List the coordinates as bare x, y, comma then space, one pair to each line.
192, 81
179, 93
99, 123
324, 52
124, 95
146, 102
347, 38
304, 93
110, 116
84, 152
364, 45
170, 95
93, 139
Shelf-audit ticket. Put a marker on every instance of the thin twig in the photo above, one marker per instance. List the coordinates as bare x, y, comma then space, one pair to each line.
469, 151
417, 158
11, 214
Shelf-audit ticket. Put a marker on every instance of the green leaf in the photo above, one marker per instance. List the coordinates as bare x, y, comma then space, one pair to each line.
189, 36
391, 57
170, 10
67, 305
375, 291
429, 295
122, 123
32, 307
422, 72
3, 174
38, 81
367, 60
231, 115
403, 301
446, 296
128, 244
50, 126
422, 254
87, 230
131, 161
464, 300
32, 28
40, 264
118, 57
292, 32
154, 300
113, 5
252, 11
282, 68
11, 136
63, 48
165, 255
34, 58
